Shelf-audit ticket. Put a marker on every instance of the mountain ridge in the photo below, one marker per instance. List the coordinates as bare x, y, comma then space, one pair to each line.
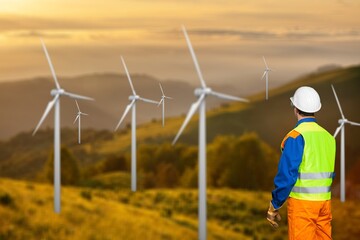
21, 110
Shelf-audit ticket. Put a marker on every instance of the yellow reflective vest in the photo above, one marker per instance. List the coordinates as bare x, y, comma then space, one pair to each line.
316, 170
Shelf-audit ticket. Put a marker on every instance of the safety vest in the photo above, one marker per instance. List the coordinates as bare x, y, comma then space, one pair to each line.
316, 170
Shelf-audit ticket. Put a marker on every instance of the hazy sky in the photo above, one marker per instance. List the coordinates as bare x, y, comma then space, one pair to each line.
229, 36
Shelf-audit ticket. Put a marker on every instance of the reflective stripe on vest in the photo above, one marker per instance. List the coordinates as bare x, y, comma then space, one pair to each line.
321, 175
311, 189
317, 166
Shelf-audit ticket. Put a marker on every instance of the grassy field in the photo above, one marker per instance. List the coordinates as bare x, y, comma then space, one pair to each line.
26, 212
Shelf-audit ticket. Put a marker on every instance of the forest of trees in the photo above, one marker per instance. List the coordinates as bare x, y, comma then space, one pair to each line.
232, 161
70, 172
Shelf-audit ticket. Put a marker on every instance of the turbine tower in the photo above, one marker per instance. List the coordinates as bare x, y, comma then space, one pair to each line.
56, 93
132, 105
78, 118
341, 128
162, 101
266, 75
201, 93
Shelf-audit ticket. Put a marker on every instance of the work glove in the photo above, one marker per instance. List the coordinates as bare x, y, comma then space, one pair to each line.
273, 215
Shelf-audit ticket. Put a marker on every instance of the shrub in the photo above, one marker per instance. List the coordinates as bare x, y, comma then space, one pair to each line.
86, 195
6, 199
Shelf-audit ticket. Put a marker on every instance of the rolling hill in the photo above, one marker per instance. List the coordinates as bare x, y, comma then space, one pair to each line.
271, 119
27, 213
23, 156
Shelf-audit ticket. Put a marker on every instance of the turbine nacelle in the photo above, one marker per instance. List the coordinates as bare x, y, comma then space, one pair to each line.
134, 97
341, 121
55, 92
81, 113
200, 91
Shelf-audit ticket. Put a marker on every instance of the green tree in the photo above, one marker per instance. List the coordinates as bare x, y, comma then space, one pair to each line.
241, 162
218, 158
146, 158
114, 163
70, 173
167, 175
190, 178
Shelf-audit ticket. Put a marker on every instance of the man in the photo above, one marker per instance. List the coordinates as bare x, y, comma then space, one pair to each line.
305, 173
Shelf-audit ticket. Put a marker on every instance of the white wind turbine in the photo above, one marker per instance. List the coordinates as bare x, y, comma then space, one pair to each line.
341, 128
266, 75
56, 93
201, 93
132, 105
78, 118
162, 101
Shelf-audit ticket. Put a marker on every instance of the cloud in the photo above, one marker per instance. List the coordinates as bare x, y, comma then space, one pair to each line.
275, 34
39, 34
237, 33
20, 22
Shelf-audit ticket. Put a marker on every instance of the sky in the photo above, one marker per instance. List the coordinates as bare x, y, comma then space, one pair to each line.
229, 37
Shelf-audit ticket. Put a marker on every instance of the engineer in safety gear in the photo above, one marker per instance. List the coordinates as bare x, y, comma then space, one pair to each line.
305, 173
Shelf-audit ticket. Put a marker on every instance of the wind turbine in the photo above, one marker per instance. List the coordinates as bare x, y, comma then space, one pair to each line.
162, 101
201, 94
56, 93
341, 128
132, 105
266, 75
78, 118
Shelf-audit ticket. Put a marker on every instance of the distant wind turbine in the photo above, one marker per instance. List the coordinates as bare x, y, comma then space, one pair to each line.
78, 118
162, 101
132, 105
201, 94
56, 93
266, 75
341, 128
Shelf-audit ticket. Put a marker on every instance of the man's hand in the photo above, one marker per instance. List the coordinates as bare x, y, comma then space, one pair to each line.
273, 215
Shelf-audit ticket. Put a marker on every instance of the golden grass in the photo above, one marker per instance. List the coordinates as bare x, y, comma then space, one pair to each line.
32, 217
26, 212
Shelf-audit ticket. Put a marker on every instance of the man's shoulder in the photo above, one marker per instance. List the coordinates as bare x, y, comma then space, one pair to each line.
292, 134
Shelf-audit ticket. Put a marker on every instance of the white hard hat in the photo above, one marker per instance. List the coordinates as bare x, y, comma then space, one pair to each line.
306, 99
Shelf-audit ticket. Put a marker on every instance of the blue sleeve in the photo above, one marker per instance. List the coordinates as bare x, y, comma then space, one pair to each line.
288, 170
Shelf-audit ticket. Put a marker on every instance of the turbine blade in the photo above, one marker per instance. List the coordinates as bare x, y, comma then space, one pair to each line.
161, 101
338, 129
148, 100
77, 117
77, 105
228, 97
127, 109
128, 76
162, 91
265, 63
194, 58
76, 96
85, 114
191, 112
50, 64
354, 123
337, 101
46, 112
263, 75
